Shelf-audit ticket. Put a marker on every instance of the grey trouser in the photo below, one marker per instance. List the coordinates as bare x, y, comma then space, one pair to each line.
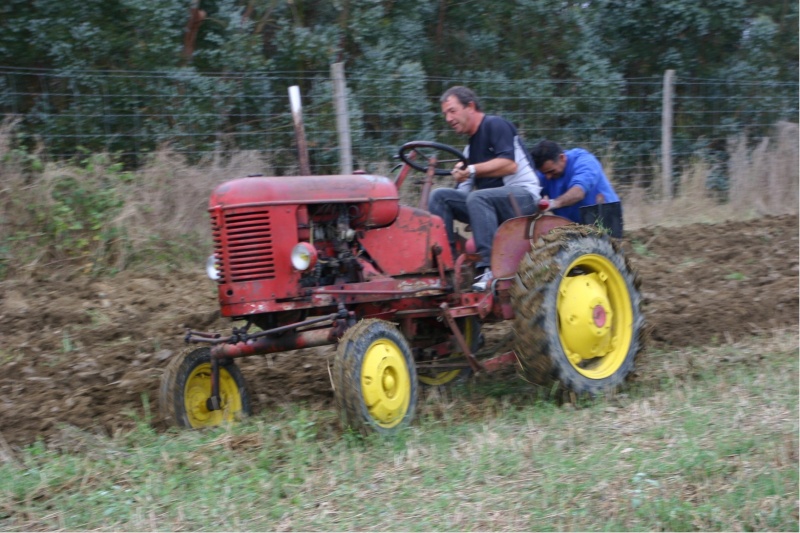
483, 209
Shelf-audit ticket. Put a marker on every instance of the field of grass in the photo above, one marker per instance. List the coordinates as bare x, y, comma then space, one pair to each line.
707, 441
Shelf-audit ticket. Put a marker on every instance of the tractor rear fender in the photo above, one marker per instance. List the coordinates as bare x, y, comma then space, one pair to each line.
514, 238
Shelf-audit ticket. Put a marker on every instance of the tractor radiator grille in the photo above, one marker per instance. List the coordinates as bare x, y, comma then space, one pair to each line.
249, 242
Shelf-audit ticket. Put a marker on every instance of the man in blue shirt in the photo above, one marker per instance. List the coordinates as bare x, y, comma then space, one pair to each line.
498, 167
571, 179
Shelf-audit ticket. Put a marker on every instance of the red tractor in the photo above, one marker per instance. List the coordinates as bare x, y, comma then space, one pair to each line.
337, 260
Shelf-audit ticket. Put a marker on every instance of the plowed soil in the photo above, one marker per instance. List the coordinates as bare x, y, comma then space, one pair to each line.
86, 352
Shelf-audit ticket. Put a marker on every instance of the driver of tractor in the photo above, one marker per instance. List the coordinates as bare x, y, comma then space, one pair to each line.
575, 183
498, 168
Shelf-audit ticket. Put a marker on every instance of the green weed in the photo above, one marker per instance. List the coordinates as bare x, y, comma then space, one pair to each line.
736, 276
641, 249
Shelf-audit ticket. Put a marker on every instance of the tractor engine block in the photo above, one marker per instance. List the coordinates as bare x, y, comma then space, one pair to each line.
257, 223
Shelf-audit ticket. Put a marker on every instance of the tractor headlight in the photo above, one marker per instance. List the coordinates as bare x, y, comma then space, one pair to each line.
211, 268
304, 256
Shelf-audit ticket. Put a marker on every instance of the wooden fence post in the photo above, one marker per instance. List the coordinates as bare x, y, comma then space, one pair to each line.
342, 118
666, 133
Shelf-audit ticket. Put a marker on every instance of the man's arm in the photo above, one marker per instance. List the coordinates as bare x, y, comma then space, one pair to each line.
573, 195
494, 168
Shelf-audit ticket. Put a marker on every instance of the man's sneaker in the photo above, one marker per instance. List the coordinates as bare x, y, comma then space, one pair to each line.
482, 281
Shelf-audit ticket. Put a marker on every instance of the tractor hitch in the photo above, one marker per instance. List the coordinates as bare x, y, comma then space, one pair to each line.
241, 343
241, 335
462, 343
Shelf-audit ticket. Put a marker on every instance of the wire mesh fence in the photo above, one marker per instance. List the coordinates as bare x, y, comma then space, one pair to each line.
200, 115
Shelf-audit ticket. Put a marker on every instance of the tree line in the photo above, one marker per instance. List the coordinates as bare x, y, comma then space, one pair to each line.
227, 52
551, 39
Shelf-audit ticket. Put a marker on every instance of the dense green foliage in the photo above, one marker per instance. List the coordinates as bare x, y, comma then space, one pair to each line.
126, 76
508, 38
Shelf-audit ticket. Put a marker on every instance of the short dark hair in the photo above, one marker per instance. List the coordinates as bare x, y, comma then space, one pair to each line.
545, 151
463, 94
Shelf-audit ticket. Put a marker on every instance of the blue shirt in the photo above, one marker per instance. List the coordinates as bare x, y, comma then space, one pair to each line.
584, 170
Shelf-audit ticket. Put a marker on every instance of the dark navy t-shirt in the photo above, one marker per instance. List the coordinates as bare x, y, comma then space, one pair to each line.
494, 138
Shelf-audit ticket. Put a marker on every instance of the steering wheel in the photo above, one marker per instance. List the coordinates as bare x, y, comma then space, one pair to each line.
425, 150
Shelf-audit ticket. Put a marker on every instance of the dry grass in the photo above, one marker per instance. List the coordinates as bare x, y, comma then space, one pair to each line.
169, 199
156, 215
765, 178
763, 181
162, 218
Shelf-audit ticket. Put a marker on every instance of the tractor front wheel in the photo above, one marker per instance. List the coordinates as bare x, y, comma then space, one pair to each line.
578, 312
374, 379
186, 387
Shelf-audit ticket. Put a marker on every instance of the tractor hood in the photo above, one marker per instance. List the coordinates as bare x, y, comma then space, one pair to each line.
375, 197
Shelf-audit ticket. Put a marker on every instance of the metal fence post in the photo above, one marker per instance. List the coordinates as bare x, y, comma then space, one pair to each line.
342, 118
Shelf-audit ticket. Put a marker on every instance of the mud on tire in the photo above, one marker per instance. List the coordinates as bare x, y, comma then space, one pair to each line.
578, 318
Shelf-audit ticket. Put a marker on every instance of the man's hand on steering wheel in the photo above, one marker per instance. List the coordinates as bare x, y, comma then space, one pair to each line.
460, 172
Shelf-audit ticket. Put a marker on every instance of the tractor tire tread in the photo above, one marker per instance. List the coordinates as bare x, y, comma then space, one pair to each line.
536, 323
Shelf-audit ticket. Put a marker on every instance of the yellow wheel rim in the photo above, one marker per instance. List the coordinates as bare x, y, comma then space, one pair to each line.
595, 317
198, 390
442, 378
385, 383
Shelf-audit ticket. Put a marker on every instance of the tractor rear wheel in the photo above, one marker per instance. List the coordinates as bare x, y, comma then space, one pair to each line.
374, 379
578, 315
186, 385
